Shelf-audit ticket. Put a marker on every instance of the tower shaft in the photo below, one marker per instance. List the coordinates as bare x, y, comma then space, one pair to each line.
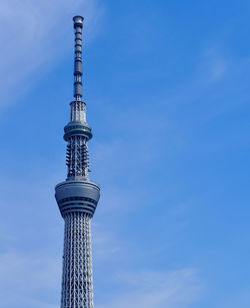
77, 284
77, 196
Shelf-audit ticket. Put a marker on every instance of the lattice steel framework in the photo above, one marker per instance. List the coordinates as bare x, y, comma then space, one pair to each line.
77, 290
77, 197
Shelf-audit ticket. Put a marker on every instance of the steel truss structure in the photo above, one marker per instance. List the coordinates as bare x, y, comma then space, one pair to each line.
77, 285
77, 196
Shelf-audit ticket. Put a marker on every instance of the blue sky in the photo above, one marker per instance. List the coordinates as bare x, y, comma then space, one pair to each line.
167, 91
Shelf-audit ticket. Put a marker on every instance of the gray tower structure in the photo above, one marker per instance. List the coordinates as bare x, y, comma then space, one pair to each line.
77, 196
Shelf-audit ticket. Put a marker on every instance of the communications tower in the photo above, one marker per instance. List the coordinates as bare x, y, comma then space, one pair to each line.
77, 196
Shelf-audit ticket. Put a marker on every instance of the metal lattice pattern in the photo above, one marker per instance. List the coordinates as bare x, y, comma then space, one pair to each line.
78, 111
77, 158
77, 285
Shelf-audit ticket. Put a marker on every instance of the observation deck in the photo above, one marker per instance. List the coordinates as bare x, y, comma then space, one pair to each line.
77, 196
77, 128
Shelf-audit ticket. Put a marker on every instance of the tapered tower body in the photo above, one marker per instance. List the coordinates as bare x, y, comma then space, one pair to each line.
77, 196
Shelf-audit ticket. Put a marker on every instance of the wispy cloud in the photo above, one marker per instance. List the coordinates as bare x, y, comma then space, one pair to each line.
25, 302
29, 275
105, 245
233, 299
31, 36
150, 289
39, 269
34, 274
215, 65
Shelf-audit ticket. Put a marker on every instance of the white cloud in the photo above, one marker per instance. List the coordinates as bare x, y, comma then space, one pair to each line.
105, 245
239, 297
28, 275
149, 289
32, 32
25, 302
37, 270
215, 65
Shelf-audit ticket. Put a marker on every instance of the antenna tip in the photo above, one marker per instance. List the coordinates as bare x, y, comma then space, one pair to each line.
78, 21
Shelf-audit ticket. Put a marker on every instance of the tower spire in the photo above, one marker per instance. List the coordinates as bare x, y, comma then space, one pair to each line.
78, 23
77, 131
